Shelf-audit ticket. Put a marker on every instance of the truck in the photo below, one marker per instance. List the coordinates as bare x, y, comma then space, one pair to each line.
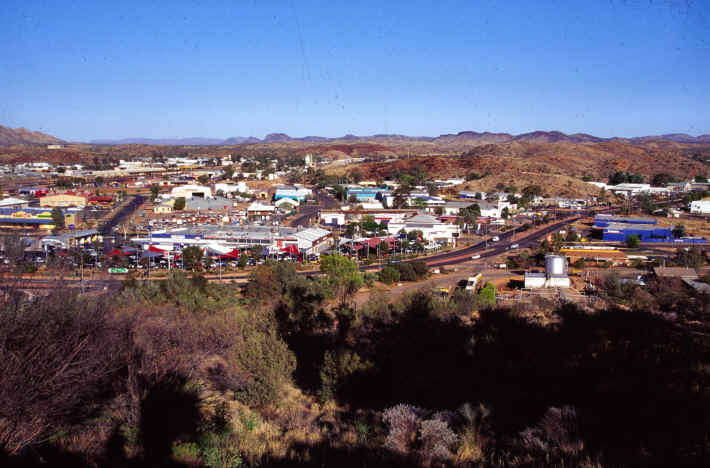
473, 282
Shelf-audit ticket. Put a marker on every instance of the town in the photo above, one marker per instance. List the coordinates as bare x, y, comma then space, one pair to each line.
224, 214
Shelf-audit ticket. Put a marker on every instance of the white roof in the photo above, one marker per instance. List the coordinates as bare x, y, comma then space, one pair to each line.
12, 201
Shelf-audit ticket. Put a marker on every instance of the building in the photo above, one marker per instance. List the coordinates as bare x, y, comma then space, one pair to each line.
33, 191
63, 200
619, 232
700, 207
432, 229
273, 240
189, 191
534, 280
72, 239
364, 193
227, 189
98, 200
287, 204
555, 275
473, 195
292, 192
342, 217
36, 218
603, 220
675, 272
204, 204
164, 208
618, 229
12, 202
452, 208
260, 212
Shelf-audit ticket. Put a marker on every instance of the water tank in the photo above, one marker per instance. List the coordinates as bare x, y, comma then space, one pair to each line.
555, 265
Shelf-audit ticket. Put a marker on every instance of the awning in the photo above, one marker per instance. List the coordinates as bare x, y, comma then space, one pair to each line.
150, 254
291, 249
233, 254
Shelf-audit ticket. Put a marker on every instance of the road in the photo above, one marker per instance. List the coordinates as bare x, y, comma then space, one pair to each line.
524, 239
125, 212
308, 212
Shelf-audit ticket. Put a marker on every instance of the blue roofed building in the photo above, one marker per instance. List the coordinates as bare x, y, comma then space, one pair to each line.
365, 193
602, 220
292, 192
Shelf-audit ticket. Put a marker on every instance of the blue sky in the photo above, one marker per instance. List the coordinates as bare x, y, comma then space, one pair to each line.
83, 70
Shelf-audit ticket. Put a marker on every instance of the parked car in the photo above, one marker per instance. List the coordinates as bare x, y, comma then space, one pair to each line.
476, 257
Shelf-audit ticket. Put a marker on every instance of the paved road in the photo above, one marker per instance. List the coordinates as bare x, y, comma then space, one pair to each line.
309, 212
125, 212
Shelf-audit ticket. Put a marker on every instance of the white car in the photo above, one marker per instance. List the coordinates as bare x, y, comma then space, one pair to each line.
495, 239
476, 257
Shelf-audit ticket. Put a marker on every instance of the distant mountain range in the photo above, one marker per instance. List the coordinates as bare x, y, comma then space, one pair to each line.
467, 136
22, 136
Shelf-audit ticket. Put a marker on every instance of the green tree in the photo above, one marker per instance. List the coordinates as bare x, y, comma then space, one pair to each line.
473, 176
243, 261
633, 241
191, 257
470, 213
369, 224
679, 230
662, 179
58, 218
228, 172
179, 204
505, 214
203, 179
388, 275
701, 178
343, 276
356, 176
154, 191
487, 295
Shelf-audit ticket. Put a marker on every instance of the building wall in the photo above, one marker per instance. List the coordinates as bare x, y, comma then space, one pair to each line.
62, 200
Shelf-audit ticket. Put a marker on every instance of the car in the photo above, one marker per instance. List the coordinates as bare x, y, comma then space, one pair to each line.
476, 257
514, 246
495, 239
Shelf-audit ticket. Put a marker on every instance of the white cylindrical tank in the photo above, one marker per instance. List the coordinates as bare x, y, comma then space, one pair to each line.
555, 265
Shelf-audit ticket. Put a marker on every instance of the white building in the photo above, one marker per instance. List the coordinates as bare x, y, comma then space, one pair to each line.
286, 204
189, 191
12, 202
294, 192
700, 207
629, 189
239, 187
432, 229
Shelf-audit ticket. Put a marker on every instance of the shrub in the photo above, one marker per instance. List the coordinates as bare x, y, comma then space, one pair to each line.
420, 268
406, 272
633, 241
412, 434
388, 275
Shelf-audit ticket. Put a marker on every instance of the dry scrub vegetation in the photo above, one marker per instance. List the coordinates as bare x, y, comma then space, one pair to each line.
287, 372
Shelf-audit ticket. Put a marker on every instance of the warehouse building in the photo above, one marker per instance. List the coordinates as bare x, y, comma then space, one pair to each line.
63, 200
619, 232
700, 207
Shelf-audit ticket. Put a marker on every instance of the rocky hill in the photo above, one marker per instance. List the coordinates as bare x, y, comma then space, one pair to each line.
22, 136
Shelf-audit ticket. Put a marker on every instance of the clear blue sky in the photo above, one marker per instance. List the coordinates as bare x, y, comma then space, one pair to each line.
83, 70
